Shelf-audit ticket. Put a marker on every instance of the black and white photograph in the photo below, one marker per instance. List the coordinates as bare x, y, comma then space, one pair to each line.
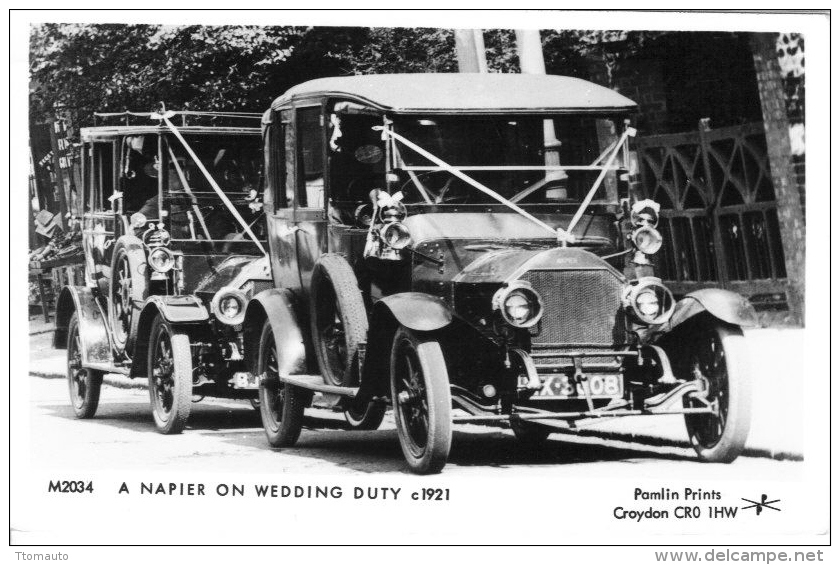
522, 277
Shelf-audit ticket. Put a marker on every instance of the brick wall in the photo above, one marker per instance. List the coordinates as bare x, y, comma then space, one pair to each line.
782, 167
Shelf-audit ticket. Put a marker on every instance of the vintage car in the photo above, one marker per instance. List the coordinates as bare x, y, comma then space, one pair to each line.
466, 248
173, 239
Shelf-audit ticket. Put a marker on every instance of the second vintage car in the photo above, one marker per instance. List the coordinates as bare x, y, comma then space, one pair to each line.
173, 237
466, 248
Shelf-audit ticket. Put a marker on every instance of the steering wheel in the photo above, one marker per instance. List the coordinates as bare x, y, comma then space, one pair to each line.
440, 197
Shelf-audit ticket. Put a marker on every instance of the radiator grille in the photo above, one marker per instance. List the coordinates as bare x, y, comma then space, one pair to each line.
581, 307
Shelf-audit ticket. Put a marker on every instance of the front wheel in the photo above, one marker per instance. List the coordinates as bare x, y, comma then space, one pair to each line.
169, 370
281, 404
718, 354
422, 401
84, 384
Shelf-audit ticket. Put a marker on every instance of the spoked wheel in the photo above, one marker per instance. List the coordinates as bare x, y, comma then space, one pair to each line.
128, 290
84, 384
281, 405
718, 355
170, 377
338, 318
368, 418
422, 401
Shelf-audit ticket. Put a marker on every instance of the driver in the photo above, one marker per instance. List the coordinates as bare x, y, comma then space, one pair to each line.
355, 166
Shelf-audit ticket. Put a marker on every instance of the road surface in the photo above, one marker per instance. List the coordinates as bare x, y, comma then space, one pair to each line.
227, 436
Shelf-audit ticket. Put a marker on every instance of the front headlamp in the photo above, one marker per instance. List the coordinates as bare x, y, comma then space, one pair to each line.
228, 305
647, 239
519, 304
649, 300
395, 235
161, 260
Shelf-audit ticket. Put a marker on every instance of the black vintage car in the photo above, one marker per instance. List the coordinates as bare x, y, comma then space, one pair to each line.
173, 237
465, 248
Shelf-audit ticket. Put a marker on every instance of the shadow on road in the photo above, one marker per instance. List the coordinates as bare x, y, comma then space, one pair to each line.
328, 439
379, 451
137, 416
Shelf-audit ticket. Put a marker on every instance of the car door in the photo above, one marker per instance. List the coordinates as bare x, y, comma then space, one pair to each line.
279, 196
99, 218
310, 218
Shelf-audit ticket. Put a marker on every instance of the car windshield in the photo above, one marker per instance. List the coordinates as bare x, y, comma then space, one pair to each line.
195, 209
525, 159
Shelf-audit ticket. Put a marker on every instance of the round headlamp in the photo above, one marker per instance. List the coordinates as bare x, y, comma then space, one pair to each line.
228, 305
395, 235
138, 220
650, 301
647, 239
161, 259
519, 304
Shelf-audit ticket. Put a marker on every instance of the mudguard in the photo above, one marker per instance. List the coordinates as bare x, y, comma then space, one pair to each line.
93, 331
175, 310
725, 305
178, 309
277, 306
415, 310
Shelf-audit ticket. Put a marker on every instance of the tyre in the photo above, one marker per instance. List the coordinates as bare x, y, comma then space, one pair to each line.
368, 419
169, 369
127, 290
422, 401
84, 384
338, 320
718, 354
529, 434
281, 405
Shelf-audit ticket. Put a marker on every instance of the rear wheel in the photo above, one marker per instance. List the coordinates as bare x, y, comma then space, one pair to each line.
169, 370
84, 384
422, 401
281, 405
718, 355
338, 318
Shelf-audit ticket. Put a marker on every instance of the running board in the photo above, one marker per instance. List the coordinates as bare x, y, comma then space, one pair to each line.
107, 368
316, 383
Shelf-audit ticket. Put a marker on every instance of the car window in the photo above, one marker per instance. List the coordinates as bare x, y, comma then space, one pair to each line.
521, 144
311, 158
195, 209
139, 174
274, 159
102, 175
357, 158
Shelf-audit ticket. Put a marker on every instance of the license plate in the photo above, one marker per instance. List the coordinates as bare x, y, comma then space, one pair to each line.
563, 386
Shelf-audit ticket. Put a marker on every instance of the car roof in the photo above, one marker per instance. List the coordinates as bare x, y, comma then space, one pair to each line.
465, 93
116, 131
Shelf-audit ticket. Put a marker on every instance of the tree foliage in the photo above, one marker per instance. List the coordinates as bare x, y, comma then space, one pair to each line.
77, 69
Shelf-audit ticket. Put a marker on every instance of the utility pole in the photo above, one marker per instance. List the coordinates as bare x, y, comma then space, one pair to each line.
531, 61
469, 48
